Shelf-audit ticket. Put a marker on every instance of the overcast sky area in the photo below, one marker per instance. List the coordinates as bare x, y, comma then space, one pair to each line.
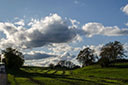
47, 31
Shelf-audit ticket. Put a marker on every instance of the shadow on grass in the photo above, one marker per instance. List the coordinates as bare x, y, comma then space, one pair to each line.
63, 72
47, 71
119, 66
60, 77
54, 72
108, 78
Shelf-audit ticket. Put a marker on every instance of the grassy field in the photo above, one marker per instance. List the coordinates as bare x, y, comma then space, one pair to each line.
90, 75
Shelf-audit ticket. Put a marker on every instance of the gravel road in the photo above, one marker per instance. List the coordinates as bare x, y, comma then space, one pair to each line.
3, 79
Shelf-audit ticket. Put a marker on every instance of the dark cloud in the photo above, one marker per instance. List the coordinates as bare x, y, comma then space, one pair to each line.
51, 29
47, 59
37, 56
57, 33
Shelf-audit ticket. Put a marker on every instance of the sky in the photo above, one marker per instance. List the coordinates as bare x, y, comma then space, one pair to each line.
47, 31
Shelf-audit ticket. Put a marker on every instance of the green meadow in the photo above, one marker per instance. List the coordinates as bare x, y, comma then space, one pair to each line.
89, 75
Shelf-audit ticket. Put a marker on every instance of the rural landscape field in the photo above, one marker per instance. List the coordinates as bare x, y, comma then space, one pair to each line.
63, 42
90, 75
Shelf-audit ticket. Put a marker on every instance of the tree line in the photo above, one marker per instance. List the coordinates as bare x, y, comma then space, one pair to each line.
109, 53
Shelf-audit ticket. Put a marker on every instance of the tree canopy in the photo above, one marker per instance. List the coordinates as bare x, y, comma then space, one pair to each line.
67, 64
110, 52
12, 58
86, 56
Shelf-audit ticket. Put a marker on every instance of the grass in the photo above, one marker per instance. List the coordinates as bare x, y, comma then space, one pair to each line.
90, 75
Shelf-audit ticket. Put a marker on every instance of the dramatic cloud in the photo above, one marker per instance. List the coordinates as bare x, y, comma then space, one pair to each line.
125, 9
57, 35
37, 55
49, 60
40, 58
92, 29
62, 48
51, 29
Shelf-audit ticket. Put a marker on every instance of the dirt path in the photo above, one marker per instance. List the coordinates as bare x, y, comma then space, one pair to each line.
3, 79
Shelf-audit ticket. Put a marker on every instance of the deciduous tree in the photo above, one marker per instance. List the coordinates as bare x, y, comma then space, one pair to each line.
86, 57
12, 58
111, 52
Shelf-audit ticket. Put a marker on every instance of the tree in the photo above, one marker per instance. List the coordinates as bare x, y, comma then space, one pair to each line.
12, 58
86, 57
69, 64
65, 64
104, 61
61, 63
51, 65
111, 52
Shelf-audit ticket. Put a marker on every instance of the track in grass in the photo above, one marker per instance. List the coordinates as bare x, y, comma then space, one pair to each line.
90, 75
36, 81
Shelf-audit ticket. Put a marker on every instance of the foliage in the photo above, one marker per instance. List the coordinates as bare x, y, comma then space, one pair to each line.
86, 57
104, 61
63, 64
51, 65
111, 52
12, 58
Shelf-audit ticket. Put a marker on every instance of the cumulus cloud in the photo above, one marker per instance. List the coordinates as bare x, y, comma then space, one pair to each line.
37, 55
49, 60
74, 23
91, 29
51, 29
20, 22
95, 48
8, 29
62, 48
55, 33
125, 9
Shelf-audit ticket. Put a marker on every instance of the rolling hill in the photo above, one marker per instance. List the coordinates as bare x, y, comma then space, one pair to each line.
89, 75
